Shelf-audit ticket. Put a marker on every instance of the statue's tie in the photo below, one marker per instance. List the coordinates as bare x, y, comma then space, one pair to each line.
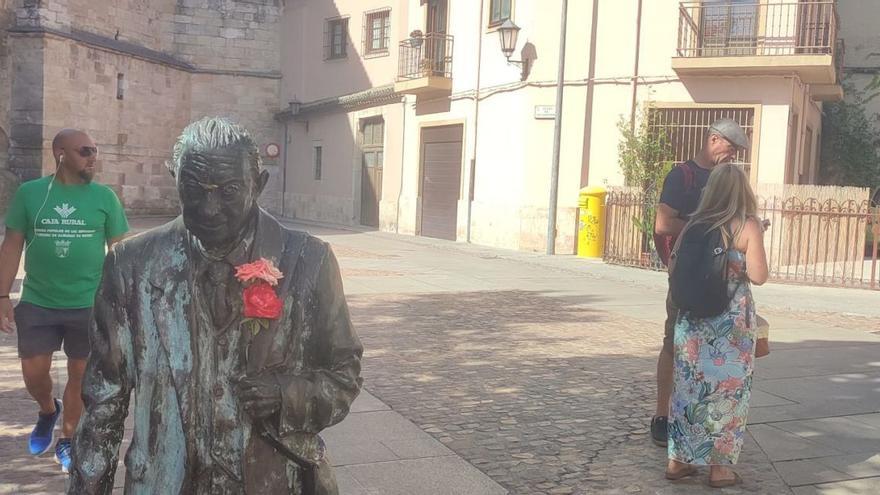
219, 276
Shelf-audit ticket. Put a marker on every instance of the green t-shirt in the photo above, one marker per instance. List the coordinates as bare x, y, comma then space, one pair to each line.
64, 255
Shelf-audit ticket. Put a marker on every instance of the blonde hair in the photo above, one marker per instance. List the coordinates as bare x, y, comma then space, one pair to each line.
726, 197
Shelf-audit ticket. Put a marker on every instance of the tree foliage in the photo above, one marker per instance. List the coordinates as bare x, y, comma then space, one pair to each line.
645, 156
850, 153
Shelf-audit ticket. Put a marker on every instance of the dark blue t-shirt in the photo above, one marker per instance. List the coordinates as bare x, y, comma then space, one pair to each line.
677, 196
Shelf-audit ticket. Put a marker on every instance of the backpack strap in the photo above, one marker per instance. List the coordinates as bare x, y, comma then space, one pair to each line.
689, 176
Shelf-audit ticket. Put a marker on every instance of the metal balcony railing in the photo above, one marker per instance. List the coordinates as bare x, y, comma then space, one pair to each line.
726, 28
425, 56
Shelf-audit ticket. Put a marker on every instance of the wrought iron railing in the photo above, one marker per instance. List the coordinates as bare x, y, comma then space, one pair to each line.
425, 56
721, 29
815, 242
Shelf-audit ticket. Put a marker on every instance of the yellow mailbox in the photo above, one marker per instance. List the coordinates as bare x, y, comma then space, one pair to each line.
591, 223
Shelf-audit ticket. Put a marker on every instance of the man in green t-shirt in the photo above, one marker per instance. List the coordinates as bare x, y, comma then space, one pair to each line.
63, 223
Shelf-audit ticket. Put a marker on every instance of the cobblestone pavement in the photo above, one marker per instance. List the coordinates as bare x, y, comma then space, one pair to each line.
19, 472
541, 390
542, 394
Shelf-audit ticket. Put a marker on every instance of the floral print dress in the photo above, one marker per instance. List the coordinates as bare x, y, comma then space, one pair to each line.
713, 377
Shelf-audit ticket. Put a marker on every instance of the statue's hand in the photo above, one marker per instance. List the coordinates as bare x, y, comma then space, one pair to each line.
260, 396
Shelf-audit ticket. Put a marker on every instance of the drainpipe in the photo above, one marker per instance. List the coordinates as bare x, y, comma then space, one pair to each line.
635, 78
557, 136
284, 166
591, 89
473, 164
402, 161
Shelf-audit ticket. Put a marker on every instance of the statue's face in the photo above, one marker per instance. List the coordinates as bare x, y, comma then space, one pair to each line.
218, 192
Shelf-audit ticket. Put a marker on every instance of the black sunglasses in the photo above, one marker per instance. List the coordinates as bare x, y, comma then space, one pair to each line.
87, 151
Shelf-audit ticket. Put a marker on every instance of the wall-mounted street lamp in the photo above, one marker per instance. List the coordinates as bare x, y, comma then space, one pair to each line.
508, 33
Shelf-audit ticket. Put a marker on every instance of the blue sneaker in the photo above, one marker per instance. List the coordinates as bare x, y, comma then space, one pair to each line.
62, 454
41, 438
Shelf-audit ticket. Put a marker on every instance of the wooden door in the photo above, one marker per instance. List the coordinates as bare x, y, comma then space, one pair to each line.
728, 27
814, 27
441, 181
435, 44
437, 16
372, 133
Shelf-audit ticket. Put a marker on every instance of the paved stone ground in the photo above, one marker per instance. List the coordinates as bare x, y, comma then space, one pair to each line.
540, 372
543, 395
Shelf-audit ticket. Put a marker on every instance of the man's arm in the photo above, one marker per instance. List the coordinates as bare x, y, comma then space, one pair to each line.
321, 394
111, 242
668, 221
10, 258
107, 383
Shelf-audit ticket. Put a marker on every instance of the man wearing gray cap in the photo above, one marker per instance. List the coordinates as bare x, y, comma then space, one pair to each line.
678, 200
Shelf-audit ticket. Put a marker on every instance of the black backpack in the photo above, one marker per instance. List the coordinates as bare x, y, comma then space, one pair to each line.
698, 272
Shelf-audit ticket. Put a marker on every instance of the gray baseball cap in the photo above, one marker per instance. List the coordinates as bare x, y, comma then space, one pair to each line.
731, 131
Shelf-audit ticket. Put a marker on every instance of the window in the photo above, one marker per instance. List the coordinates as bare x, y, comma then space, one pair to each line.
336, 38
377, 32
120, 86
499, 11
318, 158
686, 128
372, 139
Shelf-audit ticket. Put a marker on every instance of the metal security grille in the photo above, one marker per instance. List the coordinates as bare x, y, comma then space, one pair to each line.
377, 31
686, 129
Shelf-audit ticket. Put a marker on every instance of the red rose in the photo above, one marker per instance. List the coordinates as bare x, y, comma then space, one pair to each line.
260, 301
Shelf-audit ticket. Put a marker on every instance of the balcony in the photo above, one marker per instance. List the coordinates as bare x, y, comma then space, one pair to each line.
425, 65
736, 37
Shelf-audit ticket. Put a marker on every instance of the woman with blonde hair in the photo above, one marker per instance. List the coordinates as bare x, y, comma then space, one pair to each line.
714, 355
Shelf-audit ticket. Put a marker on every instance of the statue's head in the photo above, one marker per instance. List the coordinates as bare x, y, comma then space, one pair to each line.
217, 167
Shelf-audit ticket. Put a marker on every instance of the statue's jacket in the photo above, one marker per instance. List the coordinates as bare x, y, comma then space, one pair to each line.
146, 339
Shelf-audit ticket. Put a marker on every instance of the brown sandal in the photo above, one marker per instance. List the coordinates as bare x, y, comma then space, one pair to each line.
726, 482
684, 473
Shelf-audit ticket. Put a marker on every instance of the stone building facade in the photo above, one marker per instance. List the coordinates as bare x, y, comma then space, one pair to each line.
133, 73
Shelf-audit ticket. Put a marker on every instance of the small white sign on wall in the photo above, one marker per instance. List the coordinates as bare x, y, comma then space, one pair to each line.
545, 112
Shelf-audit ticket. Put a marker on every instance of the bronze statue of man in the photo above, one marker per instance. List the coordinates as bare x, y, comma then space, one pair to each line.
225, 400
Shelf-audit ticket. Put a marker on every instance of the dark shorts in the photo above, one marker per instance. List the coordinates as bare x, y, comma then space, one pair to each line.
669, 325
42, 331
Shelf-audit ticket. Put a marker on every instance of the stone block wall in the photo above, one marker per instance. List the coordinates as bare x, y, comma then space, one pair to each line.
252, 102
228, 34
25, 105
7, 20
178, 60
135, 133
8, 181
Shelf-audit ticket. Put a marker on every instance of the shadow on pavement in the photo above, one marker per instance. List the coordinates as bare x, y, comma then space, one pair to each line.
539, 392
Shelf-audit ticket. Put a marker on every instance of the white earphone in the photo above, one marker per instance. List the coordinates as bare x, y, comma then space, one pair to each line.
45, 200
